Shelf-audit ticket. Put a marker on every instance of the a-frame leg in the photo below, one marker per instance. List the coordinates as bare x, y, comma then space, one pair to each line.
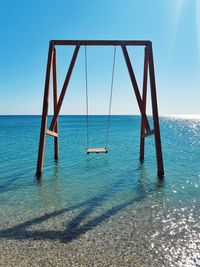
53, 131
64, 88
44, 113
135, 88
144, 97
160, 166
55, 100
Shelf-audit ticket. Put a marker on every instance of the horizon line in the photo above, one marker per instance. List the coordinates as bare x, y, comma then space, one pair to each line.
162, 115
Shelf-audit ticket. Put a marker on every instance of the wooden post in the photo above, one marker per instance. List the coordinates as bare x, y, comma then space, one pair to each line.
64, 88
144, 96
44, 112
135, 87
160, 167
55, 103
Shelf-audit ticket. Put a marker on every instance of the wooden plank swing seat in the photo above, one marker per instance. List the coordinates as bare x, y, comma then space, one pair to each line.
97, 150
141, 97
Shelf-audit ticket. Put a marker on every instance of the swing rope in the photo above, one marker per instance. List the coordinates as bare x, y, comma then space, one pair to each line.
111, 94
110, 102
87, 100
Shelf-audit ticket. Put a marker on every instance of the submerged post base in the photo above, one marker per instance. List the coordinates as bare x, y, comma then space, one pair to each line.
161, 174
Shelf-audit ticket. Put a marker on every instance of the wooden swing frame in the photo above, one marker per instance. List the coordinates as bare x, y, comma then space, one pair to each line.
141, 100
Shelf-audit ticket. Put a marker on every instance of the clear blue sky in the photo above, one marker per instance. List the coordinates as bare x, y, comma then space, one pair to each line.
27, 26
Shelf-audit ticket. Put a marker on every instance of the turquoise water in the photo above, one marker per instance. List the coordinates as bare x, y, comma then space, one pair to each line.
103, 184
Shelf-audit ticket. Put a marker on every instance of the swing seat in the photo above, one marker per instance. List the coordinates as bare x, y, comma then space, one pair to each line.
97, 150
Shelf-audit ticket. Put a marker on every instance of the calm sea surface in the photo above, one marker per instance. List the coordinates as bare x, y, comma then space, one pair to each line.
93, 188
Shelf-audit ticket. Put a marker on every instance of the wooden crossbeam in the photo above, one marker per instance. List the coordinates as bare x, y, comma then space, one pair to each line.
149, 133
102, 42
51, 133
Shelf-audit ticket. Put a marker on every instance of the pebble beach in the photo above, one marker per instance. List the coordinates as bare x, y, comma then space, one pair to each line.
145, 235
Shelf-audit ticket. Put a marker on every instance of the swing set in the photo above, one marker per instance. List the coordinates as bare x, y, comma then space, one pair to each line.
141, 100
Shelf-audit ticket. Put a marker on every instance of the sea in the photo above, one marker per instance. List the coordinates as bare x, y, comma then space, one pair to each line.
113, 196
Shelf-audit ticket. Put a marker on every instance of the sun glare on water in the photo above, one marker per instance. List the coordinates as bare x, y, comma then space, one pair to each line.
185, 116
